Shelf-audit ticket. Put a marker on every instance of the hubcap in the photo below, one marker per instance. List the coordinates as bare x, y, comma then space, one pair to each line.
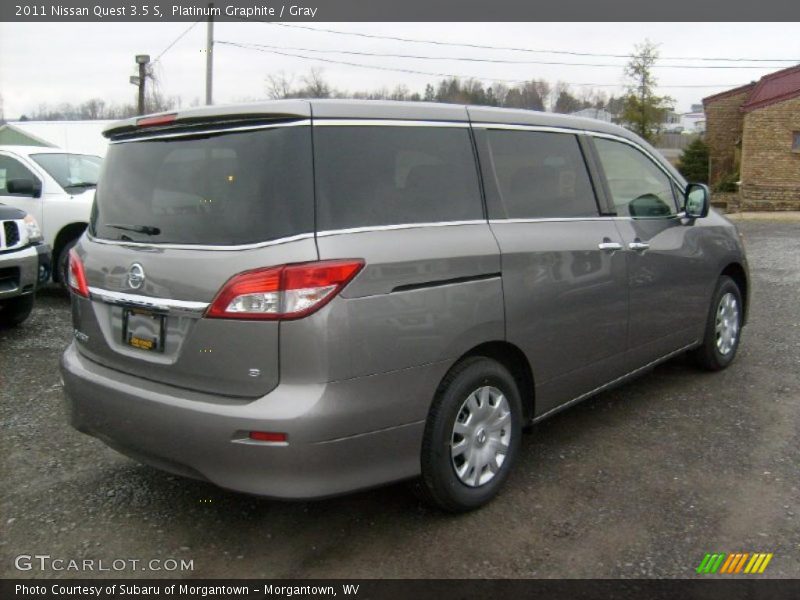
481, 435
727, 323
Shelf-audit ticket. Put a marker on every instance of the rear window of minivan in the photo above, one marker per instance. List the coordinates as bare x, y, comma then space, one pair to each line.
370, 176
225, 188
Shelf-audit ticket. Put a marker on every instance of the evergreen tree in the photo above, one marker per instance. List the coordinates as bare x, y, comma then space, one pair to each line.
694, 162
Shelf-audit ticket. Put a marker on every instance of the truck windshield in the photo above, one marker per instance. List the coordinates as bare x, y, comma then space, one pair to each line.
225, 188
70, 170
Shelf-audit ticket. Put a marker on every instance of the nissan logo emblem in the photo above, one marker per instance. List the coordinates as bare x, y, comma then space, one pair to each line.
136, 276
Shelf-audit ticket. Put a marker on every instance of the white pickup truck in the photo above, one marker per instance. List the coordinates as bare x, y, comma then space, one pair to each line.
56, 187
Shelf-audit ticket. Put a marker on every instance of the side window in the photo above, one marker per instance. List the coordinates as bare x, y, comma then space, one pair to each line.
639, 188
539, 175
373, 175
11, 168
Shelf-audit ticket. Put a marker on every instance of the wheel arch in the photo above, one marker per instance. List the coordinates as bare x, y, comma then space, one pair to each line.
65, 235
738, 273
514, 359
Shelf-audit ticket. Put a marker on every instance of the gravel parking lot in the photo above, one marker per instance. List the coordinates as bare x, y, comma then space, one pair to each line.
640, 481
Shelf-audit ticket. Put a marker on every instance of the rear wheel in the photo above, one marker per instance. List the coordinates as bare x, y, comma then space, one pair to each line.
15, 310
472, 435
723, 327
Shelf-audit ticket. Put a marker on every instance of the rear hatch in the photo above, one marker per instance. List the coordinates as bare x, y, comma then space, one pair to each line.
179, 211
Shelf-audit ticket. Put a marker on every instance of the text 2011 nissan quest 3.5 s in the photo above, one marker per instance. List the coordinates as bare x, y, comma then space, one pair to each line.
300, 298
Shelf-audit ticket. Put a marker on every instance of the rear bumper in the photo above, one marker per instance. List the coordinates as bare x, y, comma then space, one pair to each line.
206, 437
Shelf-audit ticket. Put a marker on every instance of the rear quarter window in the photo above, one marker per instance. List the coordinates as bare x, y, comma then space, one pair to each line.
391, 175
228, 188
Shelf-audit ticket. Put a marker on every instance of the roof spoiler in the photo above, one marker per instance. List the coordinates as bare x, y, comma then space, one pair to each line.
209, 116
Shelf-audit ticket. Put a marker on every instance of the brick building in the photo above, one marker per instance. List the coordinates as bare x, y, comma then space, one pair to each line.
753, 135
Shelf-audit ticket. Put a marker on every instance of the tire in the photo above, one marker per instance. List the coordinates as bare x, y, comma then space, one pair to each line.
449, 480
723, 327
15, 310
62, 262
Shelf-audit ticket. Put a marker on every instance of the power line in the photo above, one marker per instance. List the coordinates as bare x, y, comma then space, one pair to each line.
495, 60
176, 40
431, 74
512, 48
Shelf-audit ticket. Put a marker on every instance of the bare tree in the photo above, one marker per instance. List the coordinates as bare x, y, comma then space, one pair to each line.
94, 108
156, 101
316, 86
500, 91
401, 92
279, 85
542, 88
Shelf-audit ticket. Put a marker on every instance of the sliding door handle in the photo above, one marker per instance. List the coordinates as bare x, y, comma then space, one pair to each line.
609, 246
639, 245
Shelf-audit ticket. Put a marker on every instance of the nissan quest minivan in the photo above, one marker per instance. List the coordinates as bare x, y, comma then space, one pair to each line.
299, 298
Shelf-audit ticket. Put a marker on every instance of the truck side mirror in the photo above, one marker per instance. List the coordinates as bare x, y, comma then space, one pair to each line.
24, 187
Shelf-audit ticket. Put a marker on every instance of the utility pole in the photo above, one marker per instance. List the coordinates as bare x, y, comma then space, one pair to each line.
209, 53
142, 60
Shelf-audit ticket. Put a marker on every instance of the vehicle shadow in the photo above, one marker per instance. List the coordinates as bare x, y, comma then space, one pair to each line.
206, 518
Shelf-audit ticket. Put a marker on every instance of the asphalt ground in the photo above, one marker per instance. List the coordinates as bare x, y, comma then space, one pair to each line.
640, 481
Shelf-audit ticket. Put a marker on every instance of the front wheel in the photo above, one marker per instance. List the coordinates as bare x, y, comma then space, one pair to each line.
15, 310
472, 435
723, 327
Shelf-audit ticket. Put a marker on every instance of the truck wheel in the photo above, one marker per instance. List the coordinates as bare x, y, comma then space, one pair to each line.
62, 262
15, 310
472, 436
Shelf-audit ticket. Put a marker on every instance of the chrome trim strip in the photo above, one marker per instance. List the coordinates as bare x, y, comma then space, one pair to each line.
515, 127
399, 226
599, 389
175, 134
293, 238
388, 122
149, 302
559, 219
597, 218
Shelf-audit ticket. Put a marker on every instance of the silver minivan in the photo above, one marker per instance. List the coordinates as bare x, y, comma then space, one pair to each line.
299, 298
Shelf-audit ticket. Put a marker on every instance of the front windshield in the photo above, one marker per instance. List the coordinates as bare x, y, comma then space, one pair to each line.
70, 170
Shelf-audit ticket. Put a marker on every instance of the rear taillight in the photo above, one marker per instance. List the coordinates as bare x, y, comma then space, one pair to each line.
76, 276
285, 292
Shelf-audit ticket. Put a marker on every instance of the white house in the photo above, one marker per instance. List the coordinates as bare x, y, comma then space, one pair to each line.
693, 122
80, 137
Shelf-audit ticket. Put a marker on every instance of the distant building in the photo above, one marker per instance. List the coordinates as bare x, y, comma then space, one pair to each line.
81, 137
694, 122
753, 132
672, 122
594, 113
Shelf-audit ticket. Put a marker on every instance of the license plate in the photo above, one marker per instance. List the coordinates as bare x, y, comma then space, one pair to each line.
143, 329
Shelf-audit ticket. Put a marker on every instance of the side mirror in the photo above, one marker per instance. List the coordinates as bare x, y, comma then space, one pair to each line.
697, 200
23, 187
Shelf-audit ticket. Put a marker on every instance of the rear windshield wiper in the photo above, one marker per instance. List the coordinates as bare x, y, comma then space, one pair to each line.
145, 229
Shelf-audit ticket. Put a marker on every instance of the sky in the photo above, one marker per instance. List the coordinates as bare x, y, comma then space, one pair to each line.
73, 62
